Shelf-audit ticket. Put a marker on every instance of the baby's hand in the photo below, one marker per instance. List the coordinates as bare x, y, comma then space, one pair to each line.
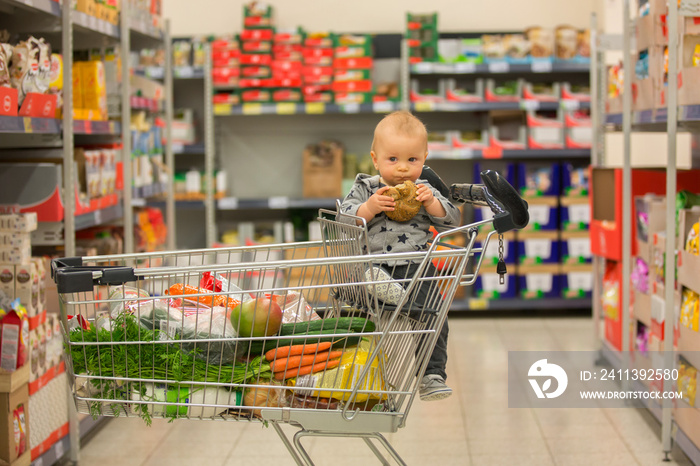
378, 202
425, 195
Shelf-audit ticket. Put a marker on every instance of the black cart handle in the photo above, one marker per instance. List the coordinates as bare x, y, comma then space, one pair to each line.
510, 211
71, 276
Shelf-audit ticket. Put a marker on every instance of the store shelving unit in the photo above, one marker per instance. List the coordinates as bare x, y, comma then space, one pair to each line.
666, 119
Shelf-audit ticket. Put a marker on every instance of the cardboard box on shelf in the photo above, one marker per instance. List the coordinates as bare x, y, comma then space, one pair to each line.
689, 74
14, 409
322, 169
650, 150
642, 307
8, 101
606, 204
488, 286
576, 281
650, 218
574, 213
544, 213
539, 178
27, 288
575, 247
651, 28
538, 247
539, 281
490, 254
688, 262
544, 132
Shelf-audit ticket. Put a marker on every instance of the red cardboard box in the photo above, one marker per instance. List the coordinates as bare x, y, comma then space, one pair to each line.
353, 86
256, 34
256, 59
39, 105
8, 101
606, 204
354, 63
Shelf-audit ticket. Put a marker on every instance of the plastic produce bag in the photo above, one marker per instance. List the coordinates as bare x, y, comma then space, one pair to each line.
294, 307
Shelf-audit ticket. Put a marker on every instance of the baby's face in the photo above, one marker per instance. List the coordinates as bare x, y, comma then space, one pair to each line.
399, 157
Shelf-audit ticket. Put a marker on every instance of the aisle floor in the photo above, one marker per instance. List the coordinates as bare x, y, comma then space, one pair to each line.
473, 427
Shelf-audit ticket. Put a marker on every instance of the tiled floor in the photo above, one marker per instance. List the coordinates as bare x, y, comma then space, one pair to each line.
474, 426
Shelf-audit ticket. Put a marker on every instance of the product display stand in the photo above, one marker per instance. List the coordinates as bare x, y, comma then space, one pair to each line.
209, 152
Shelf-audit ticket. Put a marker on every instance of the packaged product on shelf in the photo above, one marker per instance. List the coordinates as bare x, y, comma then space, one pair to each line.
94, 92
517, 48
690, 312
24, 67
14, 336
541, 42
5, 60
182, 52
539, 281
539, 178
14, 444
20, 223
540, 247
576, 281
457, 90
493, 48
322, 169
566, 42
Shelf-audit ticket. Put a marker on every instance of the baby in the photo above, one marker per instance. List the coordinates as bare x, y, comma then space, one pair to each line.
399, 151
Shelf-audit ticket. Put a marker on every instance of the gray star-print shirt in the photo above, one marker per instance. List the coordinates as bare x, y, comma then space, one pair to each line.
388, 236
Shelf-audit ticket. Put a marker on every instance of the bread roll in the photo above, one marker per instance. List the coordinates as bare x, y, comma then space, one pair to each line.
406, 204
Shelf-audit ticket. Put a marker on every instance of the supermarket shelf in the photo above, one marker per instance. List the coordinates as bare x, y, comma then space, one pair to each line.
90, 23
320, 108
499, 68
179, 72
60, 448
45, 6
688, 447
142, 193
113, 128
488, 106
147, 31
514, 304
143, 103
99, 217
495, 153
312, 108
686, 113
277, 202
197, 148
30, 125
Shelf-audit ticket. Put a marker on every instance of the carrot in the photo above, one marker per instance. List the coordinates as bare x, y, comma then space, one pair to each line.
180, 289
296, 350
310, 369
296, 361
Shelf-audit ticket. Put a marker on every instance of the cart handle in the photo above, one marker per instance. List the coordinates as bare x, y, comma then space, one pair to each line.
71, 276
510, 211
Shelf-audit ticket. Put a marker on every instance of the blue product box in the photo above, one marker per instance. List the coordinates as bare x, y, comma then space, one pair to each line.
576, 281
574, 214
574, 179
491, 253
487, 286
575, 247
544, 213
536, 248
539, 178
540, 281
505, 169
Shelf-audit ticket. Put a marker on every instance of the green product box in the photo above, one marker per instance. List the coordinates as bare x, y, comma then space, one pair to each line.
352, 40
353, 97
257, 9
351, 75
353, 51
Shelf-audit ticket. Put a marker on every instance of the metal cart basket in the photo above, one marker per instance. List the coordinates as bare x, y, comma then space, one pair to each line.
319, 335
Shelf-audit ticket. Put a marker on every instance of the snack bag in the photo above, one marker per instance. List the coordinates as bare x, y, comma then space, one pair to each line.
692, 244
5, 56
24, 67
43, 78
345, 376
690, 311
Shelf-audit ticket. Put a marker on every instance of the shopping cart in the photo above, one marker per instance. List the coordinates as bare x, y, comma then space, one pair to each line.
310, 334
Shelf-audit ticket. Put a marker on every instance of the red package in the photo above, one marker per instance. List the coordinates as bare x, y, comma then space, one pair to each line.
14, 336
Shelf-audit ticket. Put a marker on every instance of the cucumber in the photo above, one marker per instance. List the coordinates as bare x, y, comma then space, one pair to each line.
258, 347
337, 325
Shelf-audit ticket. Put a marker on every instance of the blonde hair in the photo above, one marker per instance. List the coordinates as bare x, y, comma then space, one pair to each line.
402, 122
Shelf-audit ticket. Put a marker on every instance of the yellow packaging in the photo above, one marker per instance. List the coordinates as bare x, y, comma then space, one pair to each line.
687, 381
94, 88
56, 72
690, 310
346, 375
78, 85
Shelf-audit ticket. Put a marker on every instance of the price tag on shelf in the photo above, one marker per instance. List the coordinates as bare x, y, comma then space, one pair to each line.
222, 109
423, 67
87, 126
383, 107
499, 67
425, 106
177, 147
28, 125
465, 68
228, 203
530, 105
570, 105
278, 202
97, 215
543, 66
38, 462
315, 108
112, 127
184, 72
252, 109
350, 108
59, 449
478, 304
443, 68
286, 108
